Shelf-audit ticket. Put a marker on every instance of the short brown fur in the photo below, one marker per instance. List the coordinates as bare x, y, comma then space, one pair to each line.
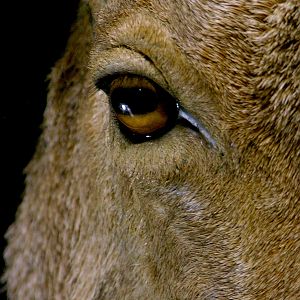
171, 218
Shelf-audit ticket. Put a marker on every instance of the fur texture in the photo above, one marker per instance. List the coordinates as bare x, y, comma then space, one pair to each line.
168, 219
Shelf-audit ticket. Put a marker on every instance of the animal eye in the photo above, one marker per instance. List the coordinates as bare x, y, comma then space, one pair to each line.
143, 109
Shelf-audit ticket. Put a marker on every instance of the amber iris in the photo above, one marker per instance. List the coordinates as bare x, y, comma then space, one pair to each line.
143, 109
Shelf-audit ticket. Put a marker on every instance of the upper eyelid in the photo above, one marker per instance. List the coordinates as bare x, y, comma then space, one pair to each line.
103, 83
122, 61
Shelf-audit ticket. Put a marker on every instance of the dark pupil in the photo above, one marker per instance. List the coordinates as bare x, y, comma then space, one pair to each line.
135, 101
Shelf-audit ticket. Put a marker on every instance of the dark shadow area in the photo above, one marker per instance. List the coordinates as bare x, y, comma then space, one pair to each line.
35, 35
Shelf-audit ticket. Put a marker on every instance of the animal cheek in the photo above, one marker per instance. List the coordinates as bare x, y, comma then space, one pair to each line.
178, 157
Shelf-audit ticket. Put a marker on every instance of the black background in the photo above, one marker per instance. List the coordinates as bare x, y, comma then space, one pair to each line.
34, 35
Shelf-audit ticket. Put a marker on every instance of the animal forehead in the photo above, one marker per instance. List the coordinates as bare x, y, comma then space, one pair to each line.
202, 29
196, 13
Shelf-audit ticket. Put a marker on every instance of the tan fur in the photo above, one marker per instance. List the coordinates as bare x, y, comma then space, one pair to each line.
170, 218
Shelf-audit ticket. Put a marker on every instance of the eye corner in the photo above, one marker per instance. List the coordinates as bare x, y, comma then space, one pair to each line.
103, 83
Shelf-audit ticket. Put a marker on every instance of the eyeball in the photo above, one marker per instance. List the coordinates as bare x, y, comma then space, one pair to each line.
142, 108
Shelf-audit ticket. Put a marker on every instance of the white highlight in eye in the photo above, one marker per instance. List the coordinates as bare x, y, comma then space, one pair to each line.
126, 109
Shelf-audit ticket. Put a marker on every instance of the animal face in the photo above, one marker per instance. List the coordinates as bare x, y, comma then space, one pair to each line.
168, 167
